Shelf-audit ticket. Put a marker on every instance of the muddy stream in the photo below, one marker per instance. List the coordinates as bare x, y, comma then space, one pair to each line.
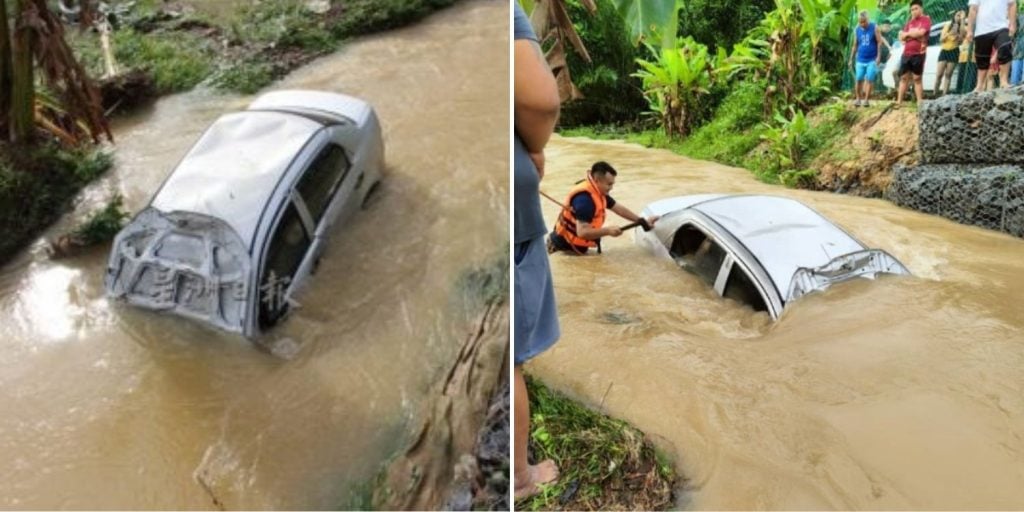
110, 407
890, 394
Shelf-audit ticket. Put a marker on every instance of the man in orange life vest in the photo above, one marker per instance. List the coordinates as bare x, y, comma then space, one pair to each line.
581, 226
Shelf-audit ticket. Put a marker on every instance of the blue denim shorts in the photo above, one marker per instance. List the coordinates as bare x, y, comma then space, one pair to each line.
866, 71
536, 317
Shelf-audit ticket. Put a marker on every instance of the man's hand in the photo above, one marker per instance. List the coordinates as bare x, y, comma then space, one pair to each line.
970, 36
652, 219
613, 231
538, 162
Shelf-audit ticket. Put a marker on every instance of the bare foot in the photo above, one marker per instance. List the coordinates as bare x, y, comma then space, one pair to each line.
544, 473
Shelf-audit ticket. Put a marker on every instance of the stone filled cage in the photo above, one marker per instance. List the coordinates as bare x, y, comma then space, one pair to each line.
988, 196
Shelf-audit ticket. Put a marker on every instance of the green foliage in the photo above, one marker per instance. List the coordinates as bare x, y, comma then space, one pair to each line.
718, 24
786, 141
365, 16
610, 93
37, 185
103, 224
651, 20
282, 23
674, 83
596, 452
177, 61
735, 129
246, 77
788, 49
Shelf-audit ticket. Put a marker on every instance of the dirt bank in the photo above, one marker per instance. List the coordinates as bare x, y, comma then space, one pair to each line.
860, 162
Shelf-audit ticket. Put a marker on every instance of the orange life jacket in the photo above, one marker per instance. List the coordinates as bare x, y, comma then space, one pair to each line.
566, 225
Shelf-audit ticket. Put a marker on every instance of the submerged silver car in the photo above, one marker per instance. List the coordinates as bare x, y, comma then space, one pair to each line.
763, 251
241, 221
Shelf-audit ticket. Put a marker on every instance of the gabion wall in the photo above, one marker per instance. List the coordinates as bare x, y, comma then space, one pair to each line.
972, 161
988, 196
984, 128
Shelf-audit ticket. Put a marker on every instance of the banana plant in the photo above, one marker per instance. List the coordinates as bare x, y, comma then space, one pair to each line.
647, 20
674, 82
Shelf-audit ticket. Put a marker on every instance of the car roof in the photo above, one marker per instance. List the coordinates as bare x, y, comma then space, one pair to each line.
233, 170
333, 105
781, 233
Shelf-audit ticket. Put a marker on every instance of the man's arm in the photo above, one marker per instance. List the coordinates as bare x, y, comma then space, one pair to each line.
628, 214
972, 16
853, 53
881, 40
588, 232
536, 96
1013, 17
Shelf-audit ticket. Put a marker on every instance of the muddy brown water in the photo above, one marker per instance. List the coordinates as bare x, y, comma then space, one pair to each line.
106, 406
891, 394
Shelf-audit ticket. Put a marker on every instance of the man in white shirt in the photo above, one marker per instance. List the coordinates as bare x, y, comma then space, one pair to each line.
991, 24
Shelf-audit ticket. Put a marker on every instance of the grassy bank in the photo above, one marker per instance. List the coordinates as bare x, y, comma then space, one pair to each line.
797, 150
242, 51
37, 186
605, 463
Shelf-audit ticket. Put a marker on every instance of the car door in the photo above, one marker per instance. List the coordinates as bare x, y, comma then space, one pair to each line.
698, 250
283, 266
325, 187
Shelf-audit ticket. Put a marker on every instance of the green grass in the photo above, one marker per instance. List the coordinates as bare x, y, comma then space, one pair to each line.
282, 23
366, 16
610, 464
37, 186
177, 61
246, 77
103, 224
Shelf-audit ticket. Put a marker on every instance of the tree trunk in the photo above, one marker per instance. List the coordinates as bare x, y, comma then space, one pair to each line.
5, 70
22, 87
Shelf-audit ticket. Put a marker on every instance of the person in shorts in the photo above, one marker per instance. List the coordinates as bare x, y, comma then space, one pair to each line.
865, 58
949, 56
991, 24
1017, 64
915, 45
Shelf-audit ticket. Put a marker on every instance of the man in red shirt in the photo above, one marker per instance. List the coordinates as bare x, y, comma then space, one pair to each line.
915, 45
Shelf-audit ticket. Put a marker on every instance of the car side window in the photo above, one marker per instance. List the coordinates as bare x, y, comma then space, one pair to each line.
739, 287
697, 253
288, 247
318, 184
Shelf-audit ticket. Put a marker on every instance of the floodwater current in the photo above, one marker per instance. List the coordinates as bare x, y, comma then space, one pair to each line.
899, 393
105, 406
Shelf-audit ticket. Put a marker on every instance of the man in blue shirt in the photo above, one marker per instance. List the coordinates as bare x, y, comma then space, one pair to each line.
868, 38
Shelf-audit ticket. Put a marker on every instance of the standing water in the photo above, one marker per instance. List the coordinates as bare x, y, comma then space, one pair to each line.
890, 394
107, 406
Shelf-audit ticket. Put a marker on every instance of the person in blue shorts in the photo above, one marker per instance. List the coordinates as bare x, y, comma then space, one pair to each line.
866, 54
536, 105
